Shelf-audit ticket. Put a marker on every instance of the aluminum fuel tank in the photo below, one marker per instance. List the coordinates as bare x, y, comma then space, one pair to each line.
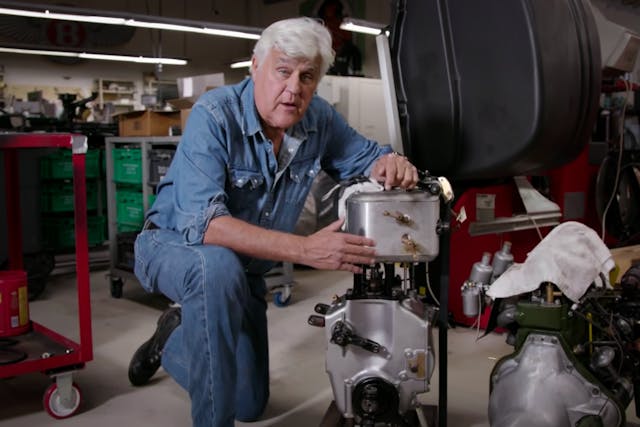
402, 223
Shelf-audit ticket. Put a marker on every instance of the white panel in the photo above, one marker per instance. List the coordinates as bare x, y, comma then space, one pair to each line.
360, 101
366, 107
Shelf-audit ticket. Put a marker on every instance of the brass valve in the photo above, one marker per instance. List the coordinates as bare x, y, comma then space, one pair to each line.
551, 293
410, 245
402, 219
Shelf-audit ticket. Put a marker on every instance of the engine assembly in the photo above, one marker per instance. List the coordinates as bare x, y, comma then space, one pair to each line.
576, 338
579, 362
380, 353
576, 361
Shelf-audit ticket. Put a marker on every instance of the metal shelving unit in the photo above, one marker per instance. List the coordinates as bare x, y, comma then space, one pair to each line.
121, 93
145, 143
279, 280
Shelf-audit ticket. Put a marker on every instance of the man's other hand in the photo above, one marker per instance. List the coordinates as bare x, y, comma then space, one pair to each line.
331, 249
395, 170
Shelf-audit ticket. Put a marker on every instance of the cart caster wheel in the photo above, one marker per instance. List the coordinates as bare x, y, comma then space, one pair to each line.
55, 404
116, 287
282, 298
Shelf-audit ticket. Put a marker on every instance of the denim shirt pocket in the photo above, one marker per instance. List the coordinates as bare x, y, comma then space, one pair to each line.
245, 188
301, 176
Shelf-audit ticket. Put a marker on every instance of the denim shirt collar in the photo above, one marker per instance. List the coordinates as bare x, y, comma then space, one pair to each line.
251, 119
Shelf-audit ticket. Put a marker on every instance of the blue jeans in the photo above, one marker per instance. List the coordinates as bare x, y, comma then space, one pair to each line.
219, 353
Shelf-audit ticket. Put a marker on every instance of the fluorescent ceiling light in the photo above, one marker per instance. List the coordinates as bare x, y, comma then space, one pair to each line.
191, 29
241, 64
85, 55
361, 26
66, 13
62, 16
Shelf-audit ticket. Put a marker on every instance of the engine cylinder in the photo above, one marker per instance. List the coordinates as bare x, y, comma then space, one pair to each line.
502, 260
471, 301
481, 271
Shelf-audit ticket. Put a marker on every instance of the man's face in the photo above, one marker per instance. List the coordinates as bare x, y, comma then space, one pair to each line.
284, 87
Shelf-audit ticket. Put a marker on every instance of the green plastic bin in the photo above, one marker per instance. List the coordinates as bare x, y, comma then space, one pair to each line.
57, 196
127, 165
129, 207
59, 232
58, 165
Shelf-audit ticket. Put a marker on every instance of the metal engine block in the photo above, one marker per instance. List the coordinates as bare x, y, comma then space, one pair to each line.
574, 364
380, 353
560, 396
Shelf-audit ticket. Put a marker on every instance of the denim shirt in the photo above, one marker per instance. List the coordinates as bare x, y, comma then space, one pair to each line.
225, 165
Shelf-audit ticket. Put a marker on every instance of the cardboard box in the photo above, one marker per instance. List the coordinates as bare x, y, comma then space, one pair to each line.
184, 114
190, 89
147, 123
195, 86
184, 105
625, 258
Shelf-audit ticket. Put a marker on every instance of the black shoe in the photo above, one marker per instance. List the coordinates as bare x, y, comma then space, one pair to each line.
146, 360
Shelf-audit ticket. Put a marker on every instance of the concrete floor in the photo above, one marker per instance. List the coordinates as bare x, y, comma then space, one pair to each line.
300, 389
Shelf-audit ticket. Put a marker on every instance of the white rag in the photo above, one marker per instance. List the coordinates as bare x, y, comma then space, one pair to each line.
370, 186
571, 256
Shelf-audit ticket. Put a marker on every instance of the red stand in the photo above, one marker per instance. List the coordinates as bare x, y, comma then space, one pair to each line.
47, 351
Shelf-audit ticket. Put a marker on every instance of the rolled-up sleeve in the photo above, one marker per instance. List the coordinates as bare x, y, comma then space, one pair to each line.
199, 180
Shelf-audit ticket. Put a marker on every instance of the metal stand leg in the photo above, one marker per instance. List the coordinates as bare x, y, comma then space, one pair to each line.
424, 416
427, 415
333, 417
443, 322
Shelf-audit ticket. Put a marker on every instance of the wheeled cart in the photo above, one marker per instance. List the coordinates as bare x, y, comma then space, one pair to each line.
41, 349
280, 282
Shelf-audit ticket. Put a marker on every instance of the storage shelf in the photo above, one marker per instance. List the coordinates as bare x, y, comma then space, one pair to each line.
120, 93
145, 144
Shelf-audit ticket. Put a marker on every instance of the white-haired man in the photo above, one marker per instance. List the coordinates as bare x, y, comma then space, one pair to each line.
225, 212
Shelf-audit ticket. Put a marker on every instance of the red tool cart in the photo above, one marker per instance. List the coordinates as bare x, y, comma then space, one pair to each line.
39, 349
